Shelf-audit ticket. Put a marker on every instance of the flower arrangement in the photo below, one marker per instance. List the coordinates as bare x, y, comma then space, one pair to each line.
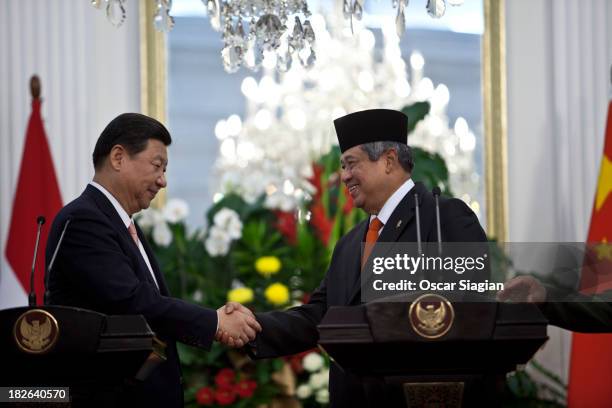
264, 259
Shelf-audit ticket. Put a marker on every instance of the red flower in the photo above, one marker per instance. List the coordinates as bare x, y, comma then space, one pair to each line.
225, 396
245, 388
295, 361
285, 224
225, 378
205, 396
306, 297
296, 364
348, 204
315, 180
322, 224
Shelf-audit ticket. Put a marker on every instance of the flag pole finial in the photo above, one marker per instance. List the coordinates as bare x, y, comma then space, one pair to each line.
35, 86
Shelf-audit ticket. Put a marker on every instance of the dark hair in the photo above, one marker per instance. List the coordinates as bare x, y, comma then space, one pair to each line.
132, 131
404, 153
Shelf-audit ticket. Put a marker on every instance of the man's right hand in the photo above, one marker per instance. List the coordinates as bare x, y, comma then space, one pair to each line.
237, 325
523, 289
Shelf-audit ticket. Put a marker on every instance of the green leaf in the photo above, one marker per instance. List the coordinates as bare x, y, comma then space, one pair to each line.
415, 112
431, 170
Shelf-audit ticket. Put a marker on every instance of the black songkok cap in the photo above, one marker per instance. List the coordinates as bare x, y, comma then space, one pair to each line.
372, 125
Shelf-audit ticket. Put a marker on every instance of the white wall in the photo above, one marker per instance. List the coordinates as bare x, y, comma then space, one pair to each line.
89, 72
559, 54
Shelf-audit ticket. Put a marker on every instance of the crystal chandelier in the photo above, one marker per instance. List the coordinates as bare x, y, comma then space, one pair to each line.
250, 29
254, 29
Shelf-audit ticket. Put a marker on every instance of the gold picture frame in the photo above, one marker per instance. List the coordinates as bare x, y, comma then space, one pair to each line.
153, 73
495, 118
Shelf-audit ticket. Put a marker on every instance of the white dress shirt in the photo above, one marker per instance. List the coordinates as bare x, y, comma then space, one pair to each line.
127, 221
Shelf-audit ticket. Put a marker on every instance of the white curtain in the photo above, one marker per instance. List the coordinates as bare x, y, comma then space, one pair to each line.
559, 54
89, 72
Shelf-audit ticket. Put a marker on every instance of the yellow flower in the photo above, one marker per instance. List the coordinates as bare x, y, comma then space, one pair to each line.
268, 265
240, 295
277, 294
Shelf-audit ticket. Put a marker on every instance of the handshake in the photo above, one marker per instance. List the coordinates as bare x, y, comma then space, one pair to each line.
237, 325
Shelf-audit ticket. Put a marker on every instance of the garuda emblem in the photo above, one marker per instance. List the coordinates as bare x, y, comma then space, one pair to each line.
36, 331
431, 316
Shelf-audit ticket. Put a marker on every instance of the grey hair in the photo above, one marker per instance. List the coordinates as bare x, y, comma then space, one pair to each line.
404, 154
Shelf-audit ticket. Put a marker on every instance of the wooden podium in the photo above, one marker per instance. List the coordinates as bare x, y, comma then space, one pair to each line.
431, 353
93, 354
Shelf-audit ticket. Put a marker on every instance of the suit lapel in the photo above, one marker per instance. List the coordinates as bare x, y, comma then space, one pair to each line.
353, 264
161, 281
393, 229
107, 208
399, 219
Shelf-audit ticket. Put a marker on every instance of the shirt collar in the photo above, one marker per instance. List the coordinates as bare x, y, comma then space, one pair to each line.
393, 201
122, 213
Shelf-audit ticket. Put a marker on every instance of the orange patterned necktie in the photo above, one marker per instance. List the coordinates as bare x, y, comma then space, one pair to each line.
371, 237
133, 233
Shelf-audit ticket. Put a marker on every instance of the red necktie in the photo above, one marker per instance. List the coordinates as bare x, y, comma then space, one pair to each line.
133, 233
371, 237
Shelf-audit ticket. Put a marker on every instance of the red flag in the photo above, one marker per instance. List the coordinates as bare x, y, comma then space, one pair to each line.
37, 194
590, 377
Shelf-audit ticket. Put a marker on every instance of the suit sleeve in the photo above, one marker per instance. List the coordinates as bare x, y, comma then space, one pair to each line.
459, 222
578, 312
294, 330
92, 261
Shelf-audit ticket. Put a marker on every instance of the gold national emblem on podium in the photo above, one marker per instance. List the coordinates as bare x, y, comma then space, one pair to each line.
36, 331
431, 316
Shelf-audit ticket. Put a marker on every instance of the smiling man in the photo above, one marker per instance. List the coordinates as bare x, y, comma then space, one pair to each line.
105, 264
376, 167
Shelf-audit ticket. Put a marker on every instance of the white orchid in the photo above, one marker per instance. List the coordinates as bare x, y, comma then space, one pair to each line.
303, 391
162, 235
312, 362
197, 296
280, 201
228, 220
218, 242
318, 380
322, 396
148, 218
325, 373
176, 210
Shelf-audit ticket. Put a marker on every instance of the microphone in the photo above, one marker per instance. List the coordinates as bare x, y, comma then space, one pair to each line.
418, 222
436, 193
32, 295
47, 276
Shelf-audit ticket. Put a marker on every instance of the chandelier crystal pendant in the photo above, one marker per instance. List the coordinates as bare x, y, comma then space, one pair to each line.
115, 13
251, 29
435, 8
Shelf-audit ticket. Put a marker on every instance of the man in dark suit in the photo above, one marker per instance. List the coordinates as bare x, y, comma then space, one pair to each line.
376, 167
568, 309
105, 264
